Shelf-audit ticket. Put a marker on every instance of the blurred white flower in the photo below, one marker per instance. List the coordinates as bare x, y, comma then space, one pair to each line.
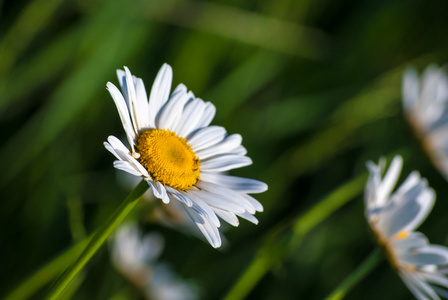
425, 101
136, 256
393, 218
175, 150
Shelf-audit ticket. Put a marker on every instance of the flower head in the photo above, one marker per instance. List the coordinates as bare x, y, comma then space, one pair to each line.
425, 102
137, 258
393, 217
173, 147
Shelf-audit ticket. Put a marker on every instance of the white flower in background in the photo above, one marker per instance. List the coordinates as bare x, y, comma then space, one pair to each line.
136, 256
393, 218
181, 157
425, 102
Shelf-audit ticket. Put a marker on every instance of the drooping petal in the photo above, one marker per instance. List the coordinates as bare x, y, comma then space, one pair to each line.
228, 194
201, 207
221, 201
122, 153
414, 286
251, 218
209, 231
183, 197
127, 167
159, 191
227, 216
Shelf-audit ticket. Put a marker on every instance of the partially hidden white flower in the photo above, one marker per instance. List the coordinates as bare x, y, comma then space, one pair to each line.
137, 257
174, 148
425, 102
393, 217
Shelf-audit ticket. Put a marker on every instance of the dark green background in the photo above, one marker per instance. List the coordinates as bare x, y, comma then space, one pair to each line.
312, 86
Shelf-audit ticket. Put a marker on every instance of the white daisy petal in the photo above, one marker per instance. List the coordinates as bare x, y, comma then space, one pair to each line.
159, 93
410, 88
230, 145
202, 208
393, 217
413, 287
207, 137
225, 163
410, 182
424, 287
208, 115
438, 279
237, 184
410, 212
163, 193
222, 201
170, 138
424, 258
132, 100
171, 113
389, 180
123, 112
127, 167
122, 153
240, 150
413, 241
191, 117
180, 195
251, 218
209, 231
228, 195
159, 191
111, 149
227, 216
142, 104
254, 202
425, 102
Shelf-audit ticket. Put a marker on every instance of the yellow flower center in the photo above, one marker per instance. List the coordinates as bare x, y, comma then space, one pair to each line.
168, 158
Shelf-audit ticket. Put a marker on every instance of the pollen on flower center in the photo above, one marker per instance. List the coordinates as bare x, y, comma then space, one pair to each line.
168, 158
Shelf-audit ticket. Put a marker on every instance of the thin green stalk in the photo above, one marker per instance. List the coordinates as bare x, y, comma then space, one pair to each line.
362, 271
98, 239
273, 251
44, 275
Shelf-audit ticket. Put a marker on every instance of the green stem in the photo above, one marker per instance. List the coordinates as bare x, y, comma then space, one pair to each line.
365, 268
273, 252
98, 239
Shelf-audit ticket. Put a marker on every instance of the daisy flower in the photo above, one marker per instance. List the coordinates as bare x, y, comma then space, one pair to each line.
173, 147
425, 102
393, 217
136, 256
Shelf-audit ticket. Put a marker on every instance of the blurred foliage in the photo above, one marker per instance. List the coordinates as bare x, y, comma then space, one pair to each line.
312, 86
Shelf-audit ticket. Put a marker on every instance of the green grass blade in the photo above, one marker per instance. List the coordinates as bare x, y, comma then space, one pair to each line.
47, 273
362, 271
98, 240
